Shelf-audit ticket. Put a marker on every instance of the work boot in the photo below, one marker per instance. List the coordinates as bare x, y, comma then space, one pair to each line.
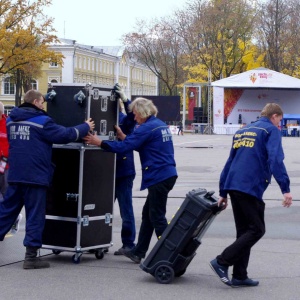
32, 261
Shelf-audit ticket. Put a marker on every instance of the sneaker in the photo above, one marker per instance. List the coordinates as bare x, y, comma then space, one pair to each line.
244, 283
133, 257
221, 271
122, 251
16, 226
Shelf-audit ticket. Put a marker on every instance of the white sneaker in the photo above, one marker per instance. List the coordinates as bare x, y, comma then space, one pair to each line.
16, 226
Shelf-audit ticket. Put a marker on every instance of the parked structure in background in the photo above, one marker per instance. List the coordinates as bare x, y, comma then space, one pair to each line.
104, 65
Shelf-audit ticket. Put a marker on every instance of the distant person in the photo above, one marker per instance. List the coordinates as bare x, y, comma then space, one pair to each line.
31, 134
180, 128
255, 156
153, 140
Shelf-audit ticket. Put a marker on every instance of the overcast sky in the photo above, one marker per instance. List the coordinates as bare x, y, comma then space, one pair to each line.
103, 22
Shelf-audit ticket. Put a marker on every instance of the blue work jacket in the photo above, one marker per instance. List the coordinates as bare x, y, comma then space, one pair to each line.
255, 156
125, 161
153, 141
31, 133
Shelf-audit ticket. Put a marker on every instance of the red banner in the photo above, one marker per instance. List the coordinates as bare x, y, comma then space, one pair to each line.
192, 101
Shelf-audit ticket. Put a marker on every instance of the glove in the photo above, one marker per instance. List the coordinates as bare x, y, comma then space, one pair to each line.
119, 91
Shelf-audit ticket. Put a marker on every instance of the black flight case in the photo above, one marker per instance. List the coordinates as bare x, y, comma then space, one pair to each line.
79, 211
176, 248
72, 104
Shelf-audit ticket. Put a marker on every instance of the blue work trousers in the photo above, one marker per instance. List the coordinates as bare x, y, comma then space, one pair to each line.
154, 215
33, 197
124, 195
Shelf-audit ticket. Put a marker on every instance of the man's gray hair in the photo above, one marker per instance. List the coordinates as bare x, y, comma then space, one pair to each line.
144, 107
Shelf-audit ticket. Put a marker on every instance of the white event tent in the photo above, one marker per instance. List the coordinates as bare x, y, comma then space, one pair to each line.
239, 99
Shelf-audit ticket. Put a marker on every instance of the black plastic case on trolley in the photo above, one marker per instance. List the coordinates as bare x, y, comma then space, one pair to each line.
79, 212
176, 248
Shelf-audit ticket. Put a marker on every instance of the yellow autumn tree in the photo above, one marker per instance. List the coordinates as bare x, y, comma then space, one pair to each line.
217, 35
25, 33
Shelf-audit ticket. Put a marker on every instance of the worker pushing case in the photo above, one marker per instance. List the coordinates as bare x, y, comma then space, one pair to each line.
176, 248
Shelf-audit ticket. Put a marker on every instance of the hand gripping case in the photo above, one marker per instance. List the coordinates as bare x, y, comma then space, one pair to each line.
176, 248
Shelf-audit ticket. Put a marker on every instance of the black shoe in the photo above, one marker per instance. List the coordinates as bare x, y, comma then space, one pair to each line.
133, 257
122, 251
244, 283
221, 271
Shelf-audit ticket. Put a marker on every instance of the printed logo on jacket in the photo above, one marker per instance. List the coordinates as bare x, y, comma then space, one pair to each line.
166, 135
21, 131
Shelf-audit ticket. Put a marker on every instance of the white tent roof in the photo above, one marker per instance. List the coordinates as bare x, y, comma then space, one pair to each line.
259, 78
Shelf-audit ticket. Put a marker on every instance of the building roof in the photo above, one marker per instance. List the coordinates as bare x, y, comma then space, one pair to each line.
259, 78
110, 50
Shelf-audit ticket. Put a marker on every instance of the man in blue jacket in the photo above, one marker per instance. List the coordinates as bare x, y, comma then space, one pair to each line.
153, 140
125, 174
255, 156
31, 133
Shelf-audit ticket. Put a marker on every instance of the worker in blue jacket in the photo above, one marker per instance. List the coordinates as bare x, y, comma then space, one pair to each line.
125, 174
31, 133
256, 154
153, 140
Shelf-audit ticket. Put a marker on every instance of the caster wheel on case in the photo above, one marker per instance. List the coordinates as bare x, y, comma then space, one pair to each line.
99, 254
164, 274
56, 252
76, 258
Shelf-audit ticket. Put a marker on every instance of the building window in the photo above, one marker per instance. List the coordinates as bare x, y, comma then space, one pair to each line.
53, 64
34, 84
53, 80
8, 109
9, 86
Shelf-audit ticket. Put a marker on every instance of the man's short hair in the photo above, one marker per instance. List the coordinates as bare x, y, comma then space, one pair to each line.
31, 95
271, 109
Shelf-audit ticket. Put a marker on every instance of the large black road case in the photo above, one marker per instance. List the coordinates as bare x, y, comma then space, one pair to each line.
72, 104
176, 247
80, 201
